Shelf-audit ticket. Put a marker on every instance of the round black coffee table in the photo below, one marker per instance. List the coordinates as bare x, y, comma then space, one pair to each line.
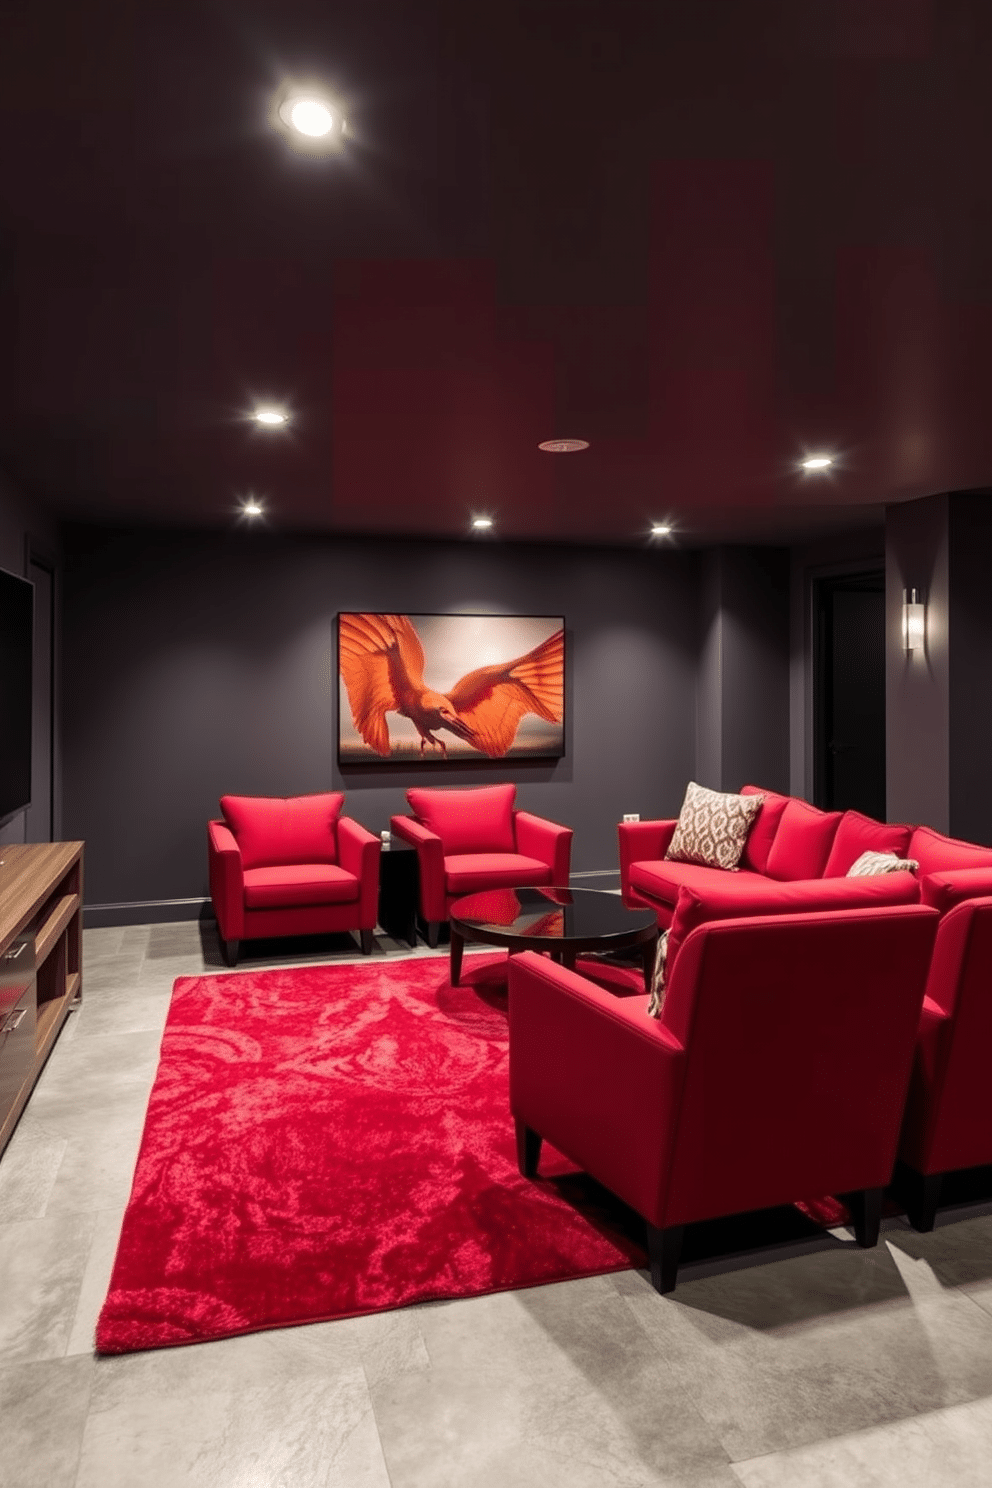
562, 922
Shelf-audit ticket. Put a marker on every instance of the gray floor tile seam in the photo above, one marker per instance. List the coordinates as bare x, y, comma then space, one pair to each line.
921, 1418
964, 1288
370, 1389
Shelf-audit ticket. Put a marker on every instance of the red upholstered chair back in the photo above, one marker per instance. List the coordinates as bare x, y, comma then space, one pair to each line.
477, 820
949, 1113
274, 830
798, 1033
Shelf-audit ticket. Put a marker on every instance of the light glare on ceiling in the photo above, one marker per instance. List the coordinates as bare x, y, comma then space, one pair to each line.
660, 529
270, 416
482, 522
818, 462
252, 507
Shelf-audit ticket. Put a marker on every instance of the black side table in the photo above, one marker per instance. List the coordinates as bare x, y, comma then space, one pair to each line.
399, 891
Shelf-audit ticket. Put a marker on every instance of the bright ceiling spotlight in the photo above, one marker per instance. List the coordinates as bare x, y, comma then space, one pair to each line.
270, 417
481, 524
818, 462
310, 118
661, 529
563, 446
252, 507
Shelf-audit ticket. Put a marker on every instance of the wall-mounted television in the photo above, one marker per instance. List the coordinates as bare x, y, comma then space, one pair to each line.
429, 688
16, 643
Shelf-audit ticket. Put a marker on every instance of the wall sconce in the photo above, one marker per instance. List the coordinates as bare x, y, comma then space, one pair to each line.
914, 621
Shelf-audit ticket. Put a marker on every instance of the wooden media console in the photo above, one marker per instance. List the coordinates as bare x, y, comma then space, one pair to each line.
41, 899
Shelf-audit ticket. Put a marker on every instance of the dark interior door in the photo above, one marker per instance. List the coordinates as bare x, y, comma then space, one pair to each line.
849, 751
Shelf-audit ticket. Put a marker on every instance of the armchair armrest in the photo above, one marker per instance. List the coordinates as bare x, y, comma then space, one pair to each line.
358, 853
227, 881
430, 857
597, 1077
952, 886
546, 841
642, 842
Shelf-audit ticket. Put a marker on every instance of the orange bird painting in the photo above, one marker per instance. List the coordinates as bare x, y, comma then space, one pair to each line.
388, 668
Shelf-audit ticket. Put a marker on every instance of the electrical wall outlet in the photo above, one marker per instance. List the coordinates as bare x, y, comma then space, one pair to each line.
631, 816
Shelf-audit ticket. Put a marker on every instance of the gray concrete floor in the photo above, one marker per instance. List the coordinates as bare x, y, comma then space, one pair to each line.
818, 1366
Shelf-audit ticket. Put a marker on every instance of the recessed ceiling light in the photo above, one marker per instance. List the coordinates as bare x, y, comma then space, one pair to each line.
312, 117
481, 523
309, 115
563, 446
271, 417
252, 507
818, 462
660, 529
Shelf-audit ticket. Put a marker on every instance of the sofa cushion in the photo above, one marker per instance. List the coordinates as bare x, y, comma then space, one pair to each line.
662, 880
299, 884
478, 820
466, 873
712, 827
762, 833
271, 830
803, 841
943, 890
728, 902
938, 854
871, 863
859, 834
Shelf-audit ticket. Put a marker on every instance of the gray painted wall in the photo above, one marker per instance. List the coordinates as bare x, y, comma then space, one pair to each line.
742, 706
199, 664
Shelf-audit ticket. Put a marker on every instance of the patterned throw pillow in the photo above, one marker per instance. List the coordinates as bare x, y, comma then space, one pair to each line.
657, 999
712, 827
871, 863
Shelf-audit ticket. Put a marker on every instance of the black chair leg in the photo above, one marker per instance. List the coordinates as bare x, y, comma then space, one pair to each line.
866, 1212
366, 937
921, 1210
433, 932
230, 950
664, 1252
528, 1149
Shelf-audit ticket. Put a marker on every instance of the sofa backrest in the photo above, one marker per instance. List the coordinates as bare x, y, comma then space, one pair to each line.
804, 829
762, 833
936, 853
803, 841
274, 830
857, 834
799, 1034
477, 820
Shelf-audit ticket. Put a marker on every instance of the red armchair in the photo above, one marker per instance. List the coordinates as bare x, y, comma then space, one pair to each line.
473, 839
948, 1121
291, 866
777, 1071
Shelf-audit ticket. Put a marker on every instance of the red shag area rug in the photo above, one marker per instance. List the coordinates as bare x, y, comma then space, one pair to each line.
329, 1141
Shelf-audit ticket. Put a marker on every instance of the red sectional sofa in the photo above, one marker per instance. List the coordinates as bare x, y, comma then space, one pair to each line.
796, 859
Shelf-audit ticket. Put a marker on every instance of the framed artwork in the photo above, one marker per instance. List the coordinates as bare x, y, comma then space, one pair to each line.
430, 688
